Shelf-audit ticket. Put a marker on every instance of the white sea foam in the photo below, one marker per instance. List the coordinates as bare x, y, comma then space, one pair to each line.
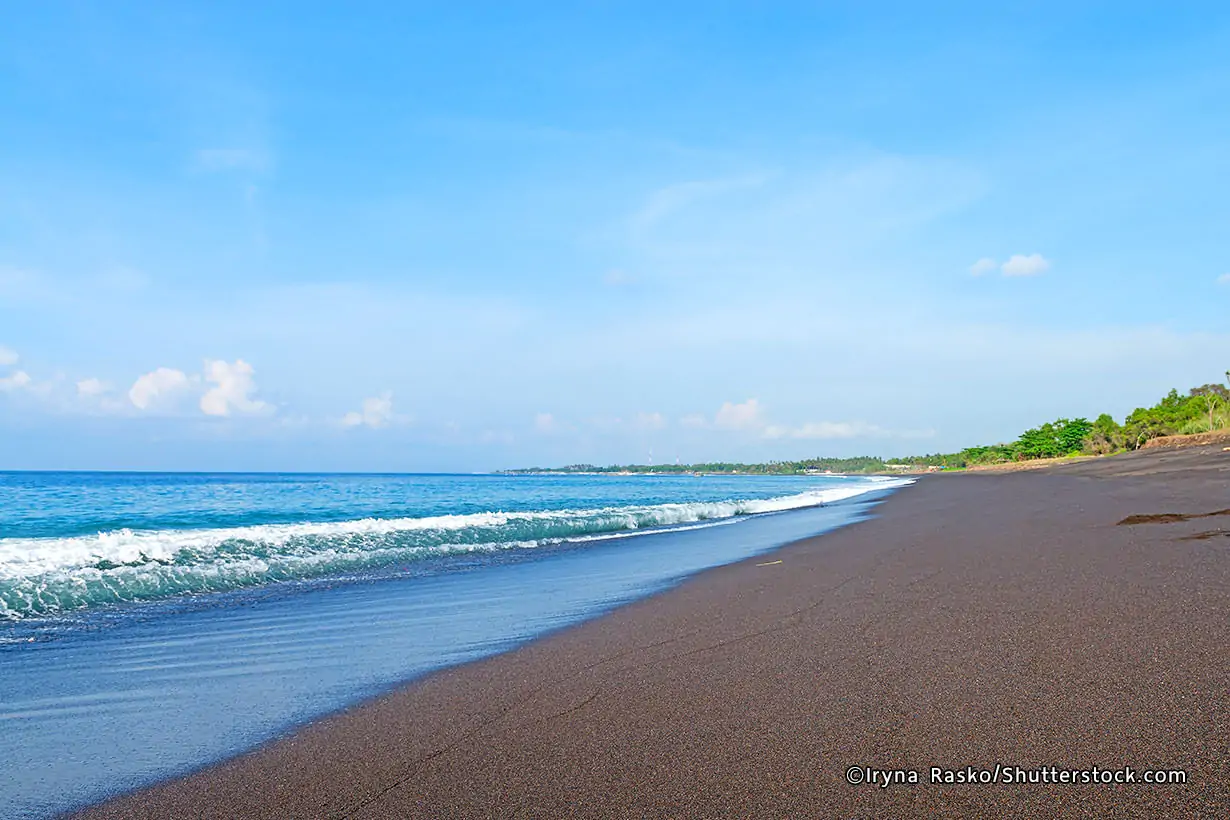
44, 575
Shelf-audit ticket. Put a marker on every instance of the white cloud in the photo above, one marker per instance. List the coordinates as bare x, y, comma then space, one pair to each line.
377, 412
8, 356
545, 423
825, 430
749, 416
649, 421
739, 416
17, 381
95, 396
88, 388
231, 393
1224, 279
1021, 265
840, 430
984, 265
606, 424
157, 387
730, 416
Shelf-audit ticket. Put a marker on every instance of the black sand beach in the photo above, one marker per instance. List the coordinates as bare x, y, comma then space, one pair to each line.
978, 620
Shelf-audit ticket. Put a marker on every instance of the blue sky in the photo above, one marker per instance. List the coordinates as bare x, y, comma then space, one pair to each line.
422, 237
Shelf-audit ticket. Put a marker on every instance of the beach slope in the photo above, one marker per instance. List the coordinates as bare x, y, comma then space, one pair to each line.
976, 621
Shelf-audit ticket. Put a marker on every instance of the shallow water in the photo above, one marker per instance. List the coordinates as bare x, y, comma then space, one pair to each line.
111, 696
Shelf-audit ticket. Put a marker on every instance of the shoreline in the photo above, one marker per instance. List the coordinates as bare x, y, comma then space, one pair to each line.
1037, 632
131, 696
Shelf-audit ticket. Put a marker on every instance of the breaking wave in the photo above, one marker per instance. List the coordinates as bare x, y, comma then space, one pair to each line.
45, 576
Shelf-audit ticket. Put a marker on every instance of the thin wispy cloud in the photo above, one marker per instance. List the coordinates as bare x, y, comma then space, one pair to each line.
983, 266
91, 387
694, 421
376, 412
1022, 265
18, 380
649, 421
232, 159
744, 416
825, 430
772, 228
830, 430
616, 278
665, 202
859, 275
750, 417
1017, 265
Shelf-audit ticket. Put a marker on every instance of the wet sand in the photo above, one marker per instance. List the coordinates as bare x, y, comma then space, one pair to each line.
977, 620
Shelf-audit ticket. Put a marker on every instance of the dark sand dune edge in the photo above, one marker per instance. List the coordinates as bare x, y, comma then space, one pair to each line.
978, 620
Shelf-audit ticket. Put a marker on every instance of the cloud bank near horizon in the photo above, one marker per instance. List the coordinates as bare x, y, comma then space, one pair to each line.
577, 262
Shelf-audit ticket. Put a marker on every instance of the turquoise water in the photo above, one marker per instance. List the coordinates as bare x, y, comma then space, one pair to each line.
152, 624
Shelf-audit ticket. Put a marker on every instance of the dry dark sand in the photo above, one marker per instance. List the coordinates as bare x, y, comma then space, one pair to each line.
979, 619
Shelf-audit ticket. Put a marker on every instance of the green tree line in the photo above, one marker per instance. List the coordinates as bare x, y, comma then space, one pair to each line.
1203, 409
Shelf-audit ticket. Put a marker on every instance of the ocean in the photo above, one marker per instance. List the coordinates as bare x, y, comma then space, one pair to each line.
152, 624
